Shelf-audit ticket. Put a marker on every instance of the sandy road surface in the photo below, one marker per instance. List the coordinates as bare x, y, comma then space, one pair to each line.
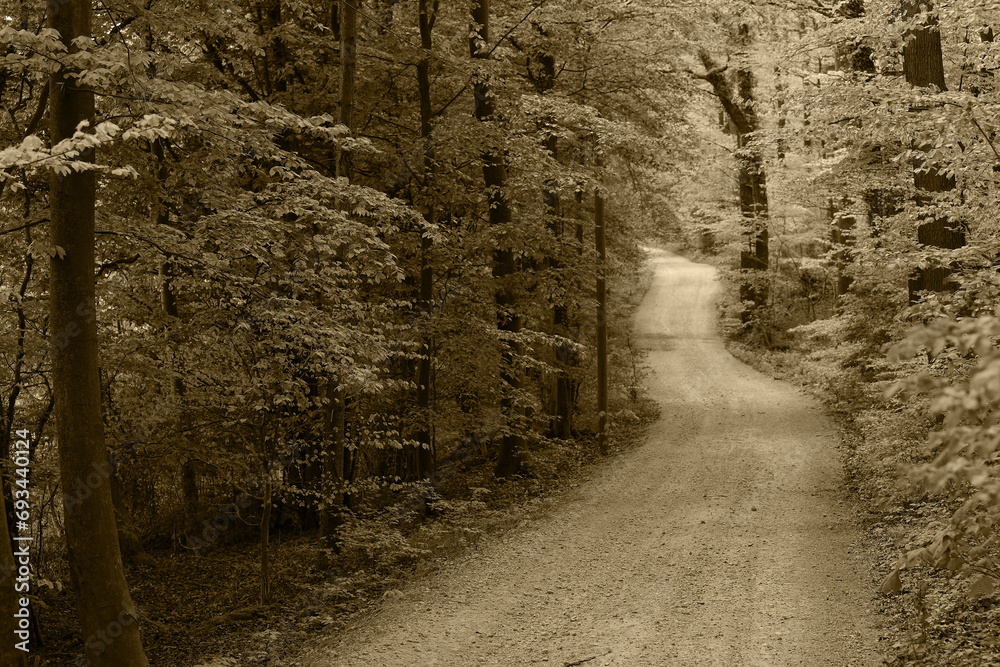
721, 541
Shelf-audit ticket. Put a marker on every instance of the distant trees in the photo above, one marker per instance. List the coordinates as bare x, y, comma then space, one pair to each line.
894, 150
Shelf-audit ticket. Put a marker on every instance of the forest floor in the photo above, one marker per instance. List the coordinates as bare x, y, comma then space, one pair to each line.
725, 539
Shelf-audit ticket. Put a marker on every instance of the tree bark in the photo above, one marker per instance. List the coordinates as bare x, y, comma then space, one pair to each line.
107, 613
922, 62
842, 236
504, 263
425, 459
923, 66
752, 176
348, 16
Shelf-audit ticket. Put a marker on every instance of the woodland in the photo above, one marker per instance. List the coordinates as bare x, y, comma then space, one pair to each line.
298, 298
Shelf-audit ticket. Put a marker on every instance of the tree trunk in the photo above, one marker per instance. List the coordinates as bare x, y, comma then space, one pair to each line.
168, 302
980, 79
923, 66
602, 318
332, 503
332, 476
842, 236
129, 542
265, 542
541, 70
107, 613
504, 264
752, 177
425, 458
562, 420
922, 62
348, 16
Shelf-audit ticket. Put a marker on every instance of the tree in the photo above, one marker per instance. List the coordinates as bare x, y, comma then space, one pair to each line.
600, 244
504, 263
923, 66
108, 616
425, 456
739, 108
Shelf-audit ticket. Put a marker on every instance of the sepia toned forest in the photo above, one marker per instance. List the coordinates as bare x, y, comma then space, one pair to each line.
299, 299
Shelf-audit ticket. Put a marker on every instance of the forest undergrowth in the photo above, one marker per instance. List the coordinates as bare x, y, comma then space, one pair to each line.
201, 607
196, 605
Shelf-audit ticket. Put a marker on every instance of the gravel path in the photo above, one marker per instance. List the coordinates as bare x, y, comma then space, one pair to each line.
723, 540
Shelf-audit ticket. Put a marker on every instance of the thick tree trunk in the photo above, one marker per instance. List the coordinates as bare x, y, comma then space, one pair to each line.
752, 177
504, 264
923, 66
107, 613
922, 62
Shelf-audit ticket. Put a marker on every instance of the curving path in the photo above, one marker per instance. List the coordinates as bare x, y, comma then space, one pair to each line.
723, 540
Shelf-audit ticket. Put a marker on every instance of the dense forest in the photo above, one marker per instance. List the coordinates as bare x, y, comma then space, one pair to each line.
296, 296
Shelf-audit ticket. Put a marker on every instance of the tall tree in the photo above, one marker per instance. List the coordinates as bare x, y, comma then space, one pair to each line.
602, 314
504, 263
348, 16
923, 66
425, 454
335, 452
107, 613
739, 107
541, 71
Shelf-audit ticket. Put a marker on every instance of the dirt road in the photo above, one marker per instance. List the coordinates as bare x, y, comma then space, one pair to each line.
723, 540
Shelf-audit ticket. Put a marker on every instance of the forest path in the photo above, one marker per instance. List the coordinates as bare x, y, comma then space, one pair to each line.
723, 540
